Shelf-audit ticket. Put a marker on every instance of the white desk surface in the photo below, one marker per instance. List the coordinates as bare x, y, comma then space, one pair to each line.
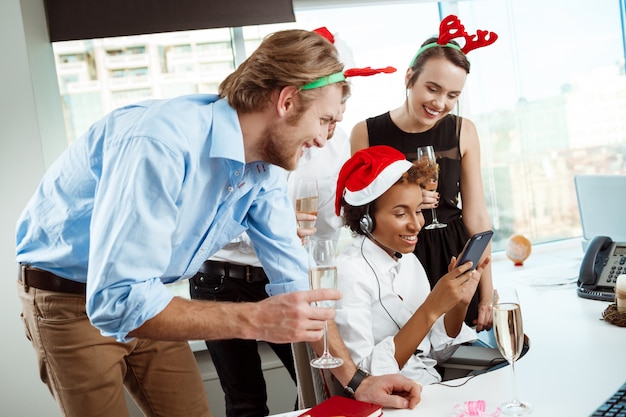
576, 360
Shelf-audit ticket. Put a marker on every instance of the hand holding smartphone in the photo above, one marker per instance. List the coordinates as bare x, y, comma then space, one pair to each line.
474, 248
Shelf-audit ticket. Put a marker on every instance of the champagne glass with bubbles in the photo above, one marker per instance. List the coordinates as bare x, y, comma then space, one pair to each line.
509, 332
427, 153
307, 200
323, 274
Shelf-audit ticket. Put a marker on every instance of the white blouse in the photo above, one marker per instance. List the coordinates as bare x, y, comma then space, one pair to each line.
380, 295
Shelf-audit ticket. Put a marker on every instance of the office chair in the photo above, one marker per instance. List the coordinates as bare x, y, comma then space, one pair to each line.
314, 385
471, 360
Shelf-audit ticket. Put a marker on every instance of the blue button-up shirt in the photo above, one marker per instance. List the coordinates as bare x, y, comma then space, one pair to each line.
148, 194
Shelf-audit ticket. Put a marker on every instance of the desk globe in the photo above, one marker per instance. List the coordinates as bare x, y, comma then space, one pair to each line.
518, 249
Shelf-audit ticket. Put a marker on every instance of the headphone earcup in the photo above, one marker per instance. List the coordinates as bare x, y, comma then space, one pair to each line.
366, 223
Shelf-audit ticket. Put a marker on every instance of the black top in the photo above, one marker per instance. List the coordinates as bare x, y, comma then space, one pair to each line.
435, 247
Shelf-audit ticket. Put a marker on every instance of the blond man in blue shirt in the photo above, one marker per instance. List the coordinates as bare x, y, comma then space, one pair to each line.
148, 194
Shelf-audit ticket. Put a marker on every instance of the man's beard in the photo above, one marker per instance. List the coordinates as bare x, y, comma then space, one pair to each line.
276, 142
275, 149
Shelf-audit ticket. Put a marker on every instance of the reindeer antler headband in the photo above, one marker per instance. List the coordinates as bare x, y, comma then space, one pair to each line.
341, 76
451, 28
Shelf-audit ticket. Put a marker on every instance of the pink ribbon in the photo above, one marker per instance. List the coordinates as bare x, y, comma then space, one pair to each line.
474, 408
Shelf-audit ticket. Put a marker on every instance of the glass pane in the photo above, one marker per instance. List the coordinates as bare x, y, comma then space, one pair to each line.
548, 98
99, 75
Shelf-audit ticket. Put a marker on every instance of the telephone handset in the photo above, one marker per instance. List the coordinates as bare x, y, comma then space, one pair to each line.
603, 262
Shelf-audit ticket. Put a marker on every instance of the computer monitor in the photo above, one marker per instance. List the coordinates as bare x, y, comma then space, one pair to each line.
602, 205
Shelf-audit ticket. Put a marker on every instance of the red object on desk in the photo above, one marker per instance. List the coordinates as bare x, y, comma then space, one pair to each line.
338, 406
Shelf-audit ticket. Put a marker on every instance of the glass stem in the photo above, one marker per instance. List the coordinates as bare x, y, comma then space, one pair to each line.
326, 352
514, 385
434, 216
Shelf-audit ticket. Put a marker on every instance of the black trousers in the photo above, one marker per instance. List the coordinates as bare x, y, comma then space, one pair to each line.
237, 361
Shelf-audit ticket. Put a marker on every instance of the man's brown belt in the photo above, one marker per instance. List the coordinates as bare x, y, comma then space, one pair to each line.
44, 280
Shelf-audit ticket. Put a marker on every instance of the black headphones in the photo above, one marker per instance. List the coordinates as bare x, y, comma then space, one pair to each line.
366, 223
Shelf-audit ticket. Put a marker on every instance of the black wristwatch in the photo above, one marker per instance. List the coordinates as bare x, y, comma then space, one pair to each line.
354, 383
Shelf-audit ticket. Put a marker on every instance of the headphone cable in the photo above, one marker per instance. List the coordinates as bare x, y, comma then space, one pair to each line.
379, 289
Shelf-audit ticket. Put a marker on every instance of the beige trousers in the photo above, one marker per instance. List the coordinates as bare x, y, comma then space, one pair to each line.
86, 372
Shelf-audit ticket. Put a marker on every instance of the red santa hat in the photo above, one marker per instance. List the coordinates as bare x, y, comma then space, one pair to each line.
368, 174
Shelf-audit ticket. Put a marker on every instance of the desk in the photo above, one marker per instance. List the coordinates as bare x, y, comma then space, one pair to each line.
576, 360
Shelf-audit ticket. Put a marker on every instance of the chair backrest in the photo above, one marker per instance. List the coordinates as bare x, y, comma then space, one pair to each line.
470, 360
314, 385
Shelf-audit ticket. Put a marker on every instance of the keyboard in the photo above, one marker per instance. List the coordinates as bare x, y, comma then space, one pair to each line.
614, 406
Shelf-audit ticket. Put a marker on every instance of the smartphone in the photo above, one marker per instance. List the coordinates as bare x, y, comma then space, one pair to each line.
474, 248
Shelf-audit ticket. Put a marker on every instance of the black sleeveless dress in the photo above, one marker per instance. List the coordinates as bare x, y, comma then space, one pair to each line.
435, 247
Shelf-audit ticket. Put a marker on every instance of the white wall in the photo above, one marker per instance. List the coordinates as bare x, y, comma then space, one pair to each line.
30, 110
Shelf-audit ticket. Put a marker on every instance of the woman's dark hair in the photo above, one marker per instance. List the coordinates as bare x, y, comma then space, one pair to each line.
420, 174
453, 55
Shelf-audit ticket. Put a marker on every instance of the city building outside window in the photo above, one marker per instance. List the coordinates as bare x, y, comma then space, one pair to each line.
548, 98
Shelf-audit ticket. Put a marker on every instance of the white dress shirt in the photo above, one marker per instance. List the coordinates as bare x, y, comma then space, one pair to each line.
322, 163
380, 295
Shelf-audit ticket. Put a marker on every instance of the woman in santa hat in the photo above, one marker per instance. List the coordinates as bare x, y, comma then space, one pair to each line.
389, 318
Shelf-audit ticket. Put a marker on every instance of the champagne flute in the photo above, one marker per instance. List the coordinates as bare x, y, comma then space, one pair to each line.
307, 200
427, 153
323, 274
509, 332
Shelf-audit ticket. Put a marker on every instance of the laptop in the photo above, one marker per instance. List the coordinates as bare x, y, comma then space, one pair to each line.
602, 206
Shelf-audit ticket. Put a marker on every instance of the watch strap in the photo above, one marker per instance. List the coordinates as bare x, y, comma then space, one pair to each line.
354, 383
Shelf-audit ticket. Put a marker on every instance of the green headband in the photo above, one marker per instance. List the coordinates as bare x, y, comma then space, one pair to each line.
432, 45
324, 81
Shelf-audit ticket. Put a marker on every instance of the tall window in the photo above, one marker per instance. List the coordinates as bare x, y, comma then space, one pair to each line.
548, 98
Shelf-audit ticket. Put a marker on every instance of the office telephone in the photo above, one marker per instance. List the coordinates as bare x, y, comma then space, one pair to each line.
603, 262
